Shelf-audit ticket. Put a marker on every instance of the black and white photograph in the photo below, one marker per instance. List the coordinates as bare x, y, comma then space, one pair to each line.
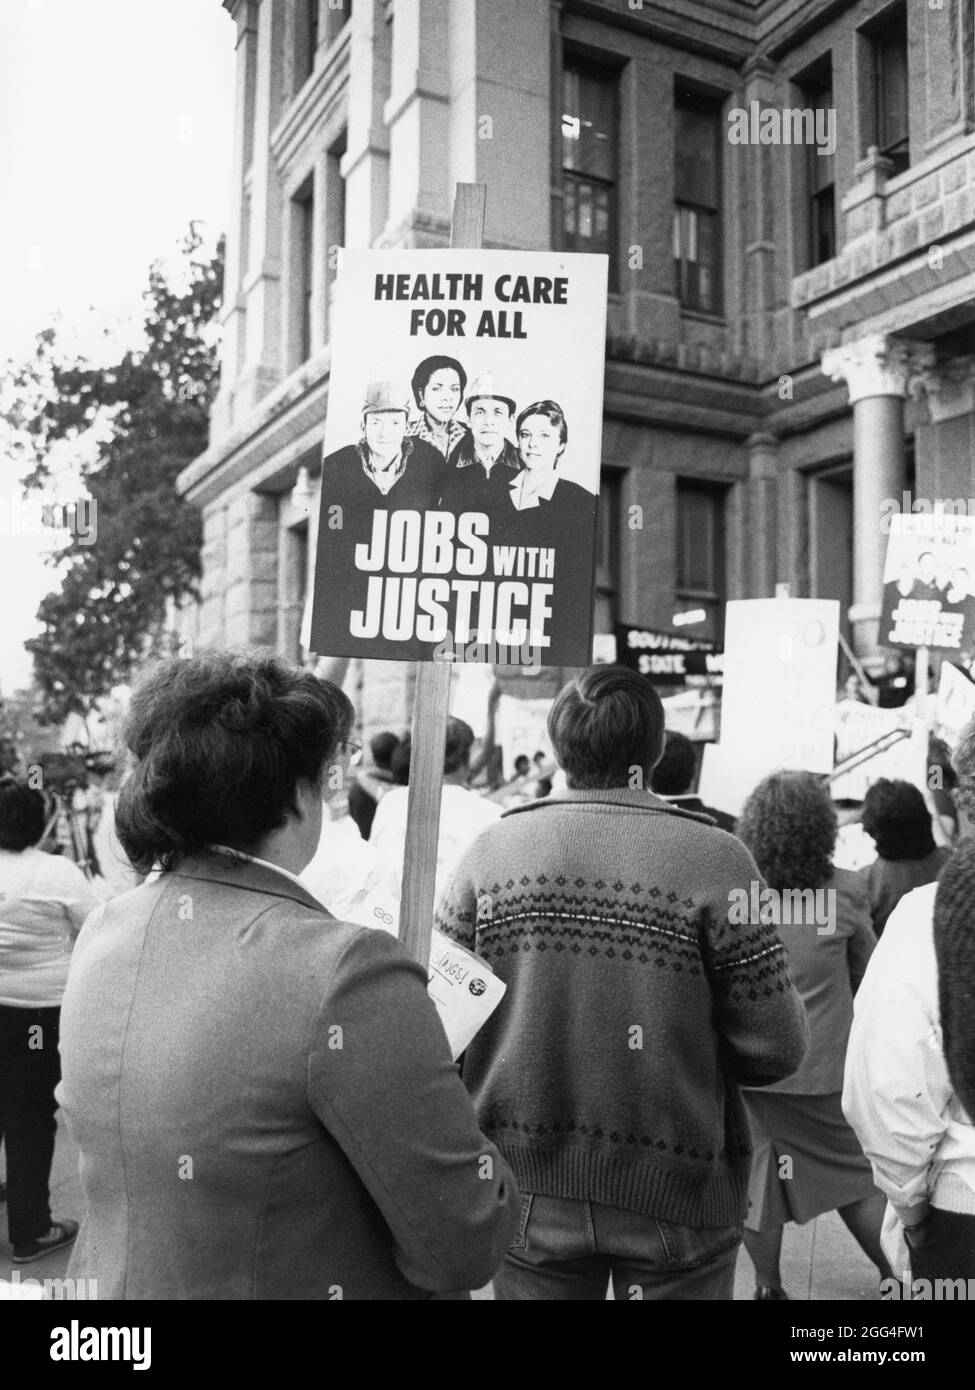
487, 671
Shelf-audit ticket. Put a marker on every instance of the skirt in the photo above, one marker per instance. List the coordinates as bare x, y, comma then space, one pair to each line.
806, 1160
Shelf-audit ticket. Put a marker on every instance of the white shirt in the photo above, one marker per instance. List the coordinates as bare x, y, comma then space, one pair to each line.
524, 496
44, 900
897, 1094
463, 815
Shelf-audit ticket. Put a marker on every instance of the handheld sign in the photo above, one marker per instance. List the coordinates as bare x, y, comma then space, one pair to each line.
929, 582
462, 457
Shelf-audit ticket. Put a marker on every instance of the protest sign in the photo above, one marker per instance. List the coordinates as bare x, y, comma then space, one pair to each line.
462, 457
779, 693
956, 702
666, 657
859, 727
928, 578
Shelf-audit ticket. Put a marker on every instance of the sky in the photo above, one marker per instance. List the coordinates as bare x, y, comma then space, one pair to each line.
116, 130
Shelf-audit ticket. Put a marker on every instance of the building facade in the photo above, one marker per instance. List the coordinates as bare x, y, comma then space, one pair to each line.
786, 191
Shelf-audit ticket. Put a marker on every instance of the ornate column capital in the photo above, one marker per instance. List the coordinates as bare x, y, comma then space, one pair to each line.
880, 366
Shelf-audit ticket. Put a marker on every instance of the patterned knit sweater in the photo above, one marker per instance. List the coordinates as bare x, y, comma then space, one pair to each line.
634, 1008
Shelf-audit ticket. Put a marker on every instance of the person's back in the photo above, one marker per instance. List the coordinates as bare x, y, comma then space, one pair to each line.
210, 1172
609, 1073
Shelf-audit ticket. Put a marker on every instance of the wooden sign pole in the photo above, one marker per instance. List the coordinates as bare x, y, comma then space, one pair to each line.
431, 702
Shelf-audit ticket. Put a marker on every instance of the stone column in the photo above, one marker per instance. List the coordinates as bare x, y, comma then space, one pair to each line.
878, 371
762, 523
365, 164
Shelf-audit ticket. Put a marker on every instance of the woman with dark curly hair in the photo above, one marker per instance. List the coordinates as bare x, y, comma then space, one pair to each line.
807, 1159
263, 1096
896, 818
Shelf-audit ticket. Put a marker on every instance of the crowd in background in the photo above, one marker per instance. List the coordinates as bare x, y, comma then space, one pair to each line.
739, 1068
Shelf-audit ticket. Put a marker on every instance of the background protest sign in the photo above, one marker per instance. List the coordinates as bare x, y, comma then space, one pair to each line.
928, 579
463, 528
779, 695
666, 657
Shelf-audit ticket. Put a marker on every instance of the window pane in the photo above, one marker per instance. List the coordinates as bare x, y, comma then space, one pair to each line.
697, 156
589, 122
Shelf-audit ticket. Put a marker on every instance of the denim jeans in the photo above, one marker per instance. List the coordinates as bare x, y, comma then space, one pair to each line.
569, 1249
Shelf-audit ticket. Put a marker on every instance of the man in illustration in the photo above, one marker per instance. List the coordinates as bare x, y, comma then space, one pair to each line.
481, 468
925, 587
387, 467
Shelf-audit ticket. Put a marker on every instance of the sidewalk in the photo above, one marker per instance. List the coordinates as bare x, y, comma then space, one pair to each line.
820, 1260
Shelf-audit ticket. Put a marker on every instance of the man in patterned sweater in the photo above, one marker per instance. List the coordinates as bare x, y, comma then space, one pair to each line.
609, 1074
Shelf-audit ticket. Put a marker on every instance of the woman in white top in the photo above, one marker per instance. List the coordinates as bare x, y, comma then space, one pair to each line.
44, 900
898, 1093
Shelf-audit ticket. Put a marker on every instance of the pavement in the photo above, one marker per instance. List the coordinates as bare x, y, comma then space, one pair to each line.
820, 1261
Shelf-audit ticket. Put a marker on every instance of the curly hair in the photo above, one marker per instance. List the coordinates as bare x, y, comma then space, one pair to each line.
220, 744
963, 762
789, 824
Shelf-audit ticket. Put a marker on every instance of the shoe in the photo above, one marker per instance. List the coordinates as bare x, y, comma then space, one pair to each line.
765, 1294
61, 1233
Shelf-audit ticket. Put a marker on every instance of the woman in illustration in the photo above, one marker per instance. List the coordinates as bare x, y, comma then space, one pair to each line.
438, 389
554, 513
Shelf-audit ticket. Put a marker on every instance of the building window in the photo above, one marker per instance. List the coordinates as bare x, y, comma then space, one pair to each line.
697, 204
306, 40
608, 523
817, 95
701, 555
334, 216
303, 233
890, 88
589, 144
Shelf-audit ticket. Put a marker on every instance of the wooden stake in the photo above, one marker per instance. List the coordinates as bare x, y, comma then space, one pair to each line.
921, 683
431, 702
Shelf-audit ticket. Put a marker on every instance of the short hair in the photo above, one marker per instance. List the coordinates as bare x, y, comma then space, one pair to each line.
399, 762
221, 743
963, 762
382, 747
674, 774
458, 745
523, 763
605, 724
552, 412
22, 814
426, 369
894, 809
789, 824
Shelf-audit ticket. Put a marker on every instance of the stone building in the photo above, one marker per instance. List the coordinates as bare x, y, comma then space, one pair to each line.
792, 294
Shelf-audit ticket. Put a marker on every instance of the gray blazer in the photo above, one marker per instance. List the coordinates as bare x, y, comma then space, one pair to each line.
265, 1103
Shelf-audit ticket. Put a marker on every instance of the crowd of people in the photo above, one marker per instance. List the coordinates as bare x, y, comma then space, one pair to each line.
709, 1030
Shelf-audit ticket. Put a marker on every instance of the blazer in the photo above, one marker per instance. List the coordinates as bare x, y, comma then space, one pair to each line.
265, 1103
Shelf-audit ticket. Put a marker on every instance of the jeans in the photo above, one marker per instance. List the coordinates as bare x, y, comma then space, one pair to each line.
948, 1247
30, 1068
568, 1249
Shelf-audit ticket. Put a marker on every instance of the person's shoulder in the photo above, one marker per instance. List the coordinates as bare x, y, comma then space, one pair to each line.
423, 452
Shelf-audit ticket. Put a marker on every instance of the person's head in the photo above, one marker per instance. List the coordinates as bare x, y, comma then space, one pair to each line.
926, 567
954, 948
789, 825
457, 749
605, 726
22, 814
399, 762
8, 754
382, 747
489, 411
895, 815
542, 435
674, 774
438, 385
942, 572
905, 579
385, 412
522, 765
960, 581
963, 763
233, 750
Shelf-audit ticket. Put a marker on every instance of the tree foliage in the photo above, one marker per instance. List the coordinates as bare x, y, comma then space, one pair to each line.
130, 429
